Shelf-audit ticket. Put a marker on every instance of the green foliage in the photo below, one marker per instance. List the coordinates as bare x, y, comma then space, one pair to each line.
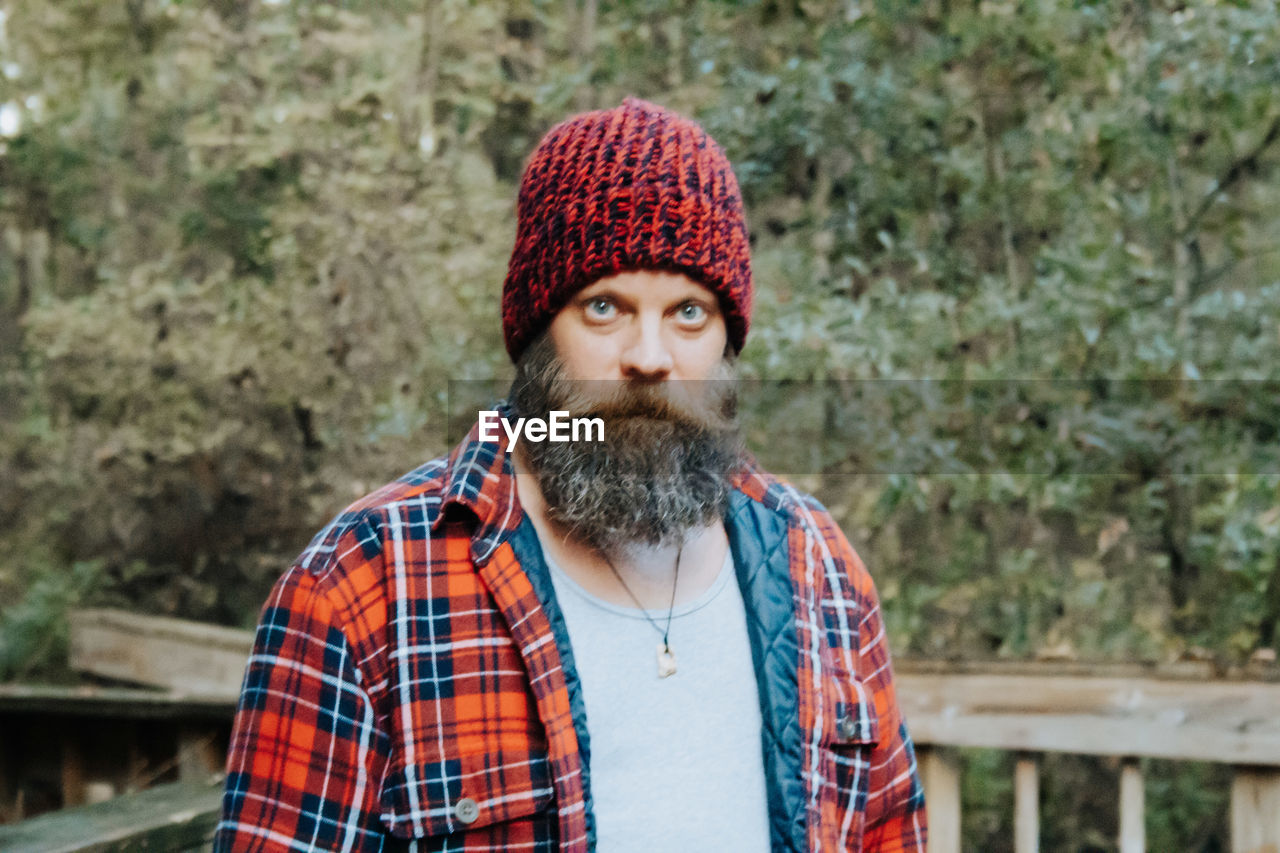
33, 629
1189, 801
1032, 191
987, 782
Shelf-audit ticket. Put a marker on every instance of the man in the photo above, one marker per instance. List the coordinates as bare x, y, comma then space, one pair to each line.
635, 641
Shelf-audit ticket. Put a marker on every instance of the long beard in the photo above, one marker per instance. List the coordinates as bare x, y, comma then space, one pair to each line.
662, 468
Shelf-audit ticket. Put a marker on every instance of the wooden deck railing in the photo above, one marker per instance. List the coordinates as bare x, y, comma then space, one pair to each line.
177, 817
1180, 713
1184, 712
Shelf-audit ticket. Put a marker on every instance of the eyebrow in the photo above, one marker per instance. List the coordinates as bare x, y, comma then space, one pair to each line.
607, 293
708, 300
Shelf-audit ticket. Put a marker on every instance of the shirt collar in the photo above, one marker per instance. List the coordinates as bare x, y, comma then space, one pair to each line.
480, 477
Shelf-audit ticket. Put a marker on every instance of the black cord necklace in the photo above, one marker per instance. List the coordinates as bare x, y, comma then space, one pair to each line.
666, 657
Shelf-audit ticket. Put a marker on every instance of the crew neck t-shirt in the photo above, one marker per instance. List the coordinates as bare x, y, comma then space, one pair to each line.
676, 763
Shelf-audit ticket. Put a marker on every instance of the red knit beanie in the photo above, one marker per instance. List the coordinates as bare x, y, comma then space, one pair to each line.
632, 188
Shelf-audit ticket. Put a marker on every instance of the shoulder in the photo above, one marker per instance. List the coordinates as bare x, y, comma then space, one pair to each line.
780, 496
819, 533
359, 528
336, 593
410, 517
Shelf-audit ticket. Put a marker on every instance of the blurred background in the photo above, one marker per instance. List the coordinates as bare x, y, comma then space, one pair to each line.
245, 247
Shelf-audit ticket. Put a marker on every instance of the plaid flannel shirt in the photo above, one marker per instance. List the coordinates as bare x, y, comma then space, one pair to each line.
411, 684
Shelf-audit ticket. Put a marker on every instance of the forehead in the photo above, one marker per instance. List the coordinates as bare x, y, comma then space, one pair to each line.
645, 285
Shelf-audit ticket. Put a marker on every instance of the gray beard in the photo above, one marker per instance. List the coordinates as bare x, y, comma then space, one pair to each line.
662, 469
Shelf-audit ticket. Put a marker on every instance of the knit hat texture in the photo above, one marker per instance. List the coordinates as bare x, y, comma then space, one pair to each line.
637, 187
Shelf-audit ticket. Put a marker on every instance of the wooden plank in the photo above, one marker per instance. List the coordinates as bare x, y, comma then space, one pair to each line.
175, 653
179, 816
1255, 810
1133, 829
1026, 805
1232, 721
113, 702
1188, 670
1194, 670
940, 775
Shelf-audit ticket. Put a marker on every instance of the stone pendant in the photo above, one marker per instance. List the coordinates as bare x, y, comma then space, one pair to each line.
666, 661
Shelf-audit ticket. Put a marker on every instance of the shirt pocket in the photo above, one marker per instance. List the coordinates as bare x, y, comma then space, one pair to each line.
849, 713
850, 731
495, 794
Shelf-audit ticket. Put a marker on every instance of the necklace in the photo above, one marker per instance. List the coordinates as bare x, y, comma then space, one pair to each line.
666, 657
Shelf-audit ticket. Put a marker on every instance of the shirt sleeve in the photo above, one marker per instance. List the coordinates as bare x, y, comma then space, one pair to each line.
306, 758
895, 814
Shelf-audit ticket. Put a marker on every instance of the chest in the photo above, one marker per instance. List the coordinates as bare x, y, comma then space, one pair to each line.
676, 757
488, 709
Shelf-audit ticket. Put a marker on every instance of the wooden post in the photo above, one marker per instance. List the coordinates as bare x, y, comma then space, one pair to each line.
73, 783
1133, 832
198, 760
136, 766
1026, 805
940, 775
10, 805
1255, 810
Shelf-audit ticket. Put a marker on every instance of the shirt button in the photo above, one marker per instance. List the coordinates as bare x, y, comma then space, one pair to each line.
848, 728
467, 810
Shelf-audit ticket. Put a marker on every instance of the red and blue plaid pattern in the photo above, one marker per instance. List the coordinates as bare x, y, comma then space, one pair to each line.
407, 690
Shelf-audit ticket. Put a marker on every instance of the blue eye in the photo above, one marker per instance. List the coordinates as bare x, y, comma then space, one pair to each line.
692, 313
601, 309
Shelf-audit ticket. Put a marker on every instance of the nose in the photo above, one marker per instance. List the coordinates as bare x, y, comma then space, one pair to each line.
646, 356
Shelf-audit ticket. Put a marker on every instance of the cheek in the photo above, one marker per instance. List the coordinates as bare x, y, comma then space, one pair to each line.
584, 355
701, 357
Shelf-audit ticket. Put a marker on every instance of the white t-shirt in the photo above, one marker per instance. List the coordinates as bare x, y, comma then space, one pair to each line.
677, 762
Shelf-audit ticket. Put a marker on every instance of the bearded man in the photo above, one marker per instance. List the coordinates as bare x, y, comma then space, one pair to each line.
636, 642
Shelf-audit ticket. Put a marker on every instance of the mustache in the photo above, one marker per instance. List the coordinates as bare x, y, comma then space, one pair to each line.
709, 405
